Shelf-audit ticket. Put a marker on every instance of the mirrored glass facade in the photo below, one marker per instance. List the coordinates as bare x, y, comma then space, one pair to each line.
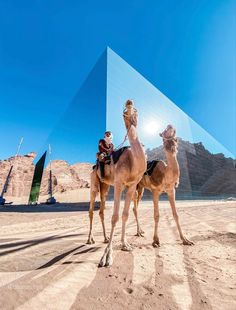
207, 168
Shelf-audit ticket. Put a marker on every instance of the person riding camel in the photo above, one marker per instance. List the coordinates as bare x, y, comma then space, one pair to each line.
106, 148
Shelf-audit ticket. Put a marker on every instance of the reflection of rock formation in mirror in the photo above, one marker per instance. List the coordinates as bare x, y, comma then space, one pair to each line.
51, 199
65, 177
201, 173
37, 178
67, 180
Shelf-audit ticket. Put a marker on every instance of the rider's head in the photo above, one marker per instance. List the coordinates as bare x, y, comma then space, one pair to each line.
108, 135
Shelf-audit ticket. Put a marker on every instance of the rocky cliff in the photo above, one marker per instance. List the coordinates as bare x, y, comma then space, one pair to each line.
65, 177
21, 176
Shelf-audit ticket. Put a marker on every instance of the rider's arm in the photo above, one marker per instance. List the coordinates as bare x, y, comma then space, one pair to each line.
102, 147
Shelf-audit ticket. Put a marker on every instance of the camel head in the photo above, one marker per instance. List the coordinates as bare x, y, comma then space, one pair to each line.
130, 114
169, 139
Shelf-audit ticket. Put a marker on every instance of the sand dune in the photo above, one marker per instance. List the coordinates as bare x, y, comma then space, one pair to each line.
45, 263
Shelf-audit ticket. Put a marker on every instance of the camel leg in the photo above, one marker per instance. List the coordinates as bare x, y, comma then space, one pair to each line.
137, 197
107, 259
93, 193
103, 194
91, 210
155, 197
125, 215
171, 196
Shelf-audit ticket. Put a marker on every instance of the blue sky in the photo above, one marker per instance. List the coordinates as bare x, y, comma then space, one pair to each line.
47, 48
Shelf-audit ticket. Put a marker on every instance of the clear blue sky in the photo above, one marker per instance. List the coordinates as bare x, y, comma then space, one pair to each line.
47, 48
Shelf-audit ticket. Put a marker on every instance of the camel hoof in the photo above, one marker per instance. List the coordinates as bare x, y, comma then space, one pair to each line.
102, 261
106, 259
126, 247
156, 244
106, 240
140, 233
90, 241
109, 259
187, 242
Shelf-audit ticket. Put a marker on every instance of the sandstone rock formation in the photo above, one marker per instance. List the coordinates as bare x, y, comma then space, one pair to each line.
66, 177
21, 176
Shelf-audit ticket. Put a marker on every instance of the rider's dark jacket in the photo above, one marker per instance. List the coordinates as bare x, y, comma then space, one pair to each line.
104, 147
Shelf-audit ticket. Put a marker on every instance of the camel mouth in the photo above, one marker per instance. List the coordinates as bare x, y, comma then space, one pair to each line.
169, 133
129, 109
170, 141
129, 103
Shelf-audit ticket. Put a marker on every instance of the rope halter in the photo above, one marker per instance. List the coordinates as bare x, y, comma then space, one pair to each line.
130, 113
169, 146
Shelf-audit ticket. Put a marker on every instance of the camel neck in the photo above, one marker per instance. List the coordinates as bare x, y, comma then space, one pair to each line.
172, 160
132, 134
134, 141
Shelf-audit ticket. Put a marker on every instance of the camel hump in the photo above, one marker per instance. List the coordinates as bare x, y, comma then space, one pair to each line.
117, 154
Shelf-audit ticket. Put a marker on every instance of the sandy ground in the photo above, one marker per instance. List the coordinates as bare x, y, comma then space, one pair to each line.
78, 195
45, 263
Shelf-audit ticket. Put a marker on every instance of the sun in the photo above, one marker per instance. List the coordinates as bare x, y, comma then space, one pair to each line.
151, 128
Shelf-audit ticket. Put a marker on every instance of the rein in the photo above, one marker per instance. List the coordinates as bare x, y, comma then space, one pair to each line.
125, 138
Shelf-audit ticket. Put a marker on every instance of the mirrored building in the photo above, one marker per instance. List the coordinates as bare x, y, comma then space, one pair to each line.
207, 167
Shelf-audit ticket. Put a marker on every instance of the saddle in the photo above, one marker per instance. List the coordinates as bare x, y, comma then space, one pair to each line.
151, 166
117, 154
114, 156
106, 161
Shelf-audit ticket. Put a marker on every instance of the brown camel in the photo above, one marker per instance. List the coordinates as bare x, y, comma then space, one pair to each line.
164, 178
126, 173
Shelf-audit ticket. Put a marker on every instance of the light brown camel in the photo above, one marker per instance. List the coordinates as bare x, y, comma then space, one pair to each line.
126, 173
164, 178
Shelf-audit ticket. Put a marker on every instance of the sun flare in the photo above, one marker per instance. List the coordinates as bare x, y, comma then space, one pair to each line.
151, 127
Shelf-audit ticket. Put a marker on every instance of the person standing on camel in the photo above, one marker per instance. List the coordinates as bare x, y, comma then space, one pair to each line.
106, 148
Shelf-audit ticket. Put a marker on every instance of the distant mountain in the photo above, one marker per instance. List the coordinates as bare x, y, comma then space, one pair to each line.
201, 173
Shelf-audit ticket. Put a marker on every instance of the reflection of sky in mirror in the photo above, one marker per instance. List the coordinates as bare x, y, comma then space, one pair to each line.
123, 82
75, 137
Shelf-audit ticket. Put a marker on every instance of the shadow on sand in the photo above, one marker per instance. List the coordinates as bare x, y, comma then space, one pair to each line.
29, 243
63, 255
58, 207
39, 280
114, 287
199, 298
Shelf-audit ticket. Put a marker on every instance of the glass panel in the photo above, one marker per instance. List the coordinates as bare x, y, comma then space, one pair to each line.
37, 178
204, 162
75, 137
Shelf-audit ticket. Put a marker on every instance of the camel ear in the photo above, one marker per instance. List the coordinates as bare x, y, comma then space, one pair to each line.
160, 134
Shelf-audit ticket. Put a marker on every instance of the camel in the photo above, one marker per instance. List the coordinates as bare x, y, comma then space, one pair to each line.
126, 173
164, 178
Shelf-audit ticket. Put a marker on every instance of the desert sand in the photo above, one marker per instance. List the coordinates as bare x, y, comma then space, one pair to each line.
45, 262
